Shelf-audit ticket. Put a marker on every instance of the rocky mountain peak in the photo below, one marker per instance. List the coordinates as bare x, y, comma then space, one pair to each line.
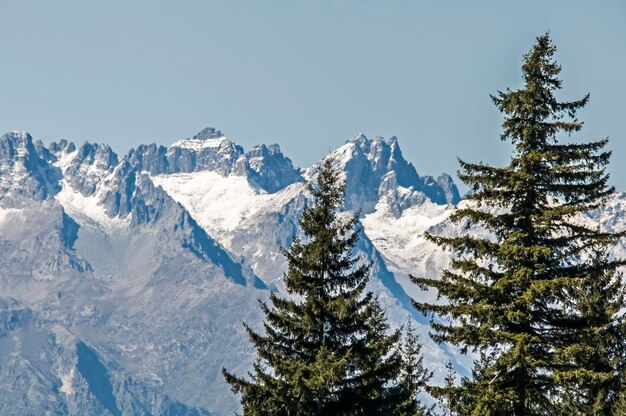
270, 169
209, 150
43, 152
447, 184
100, 155
24, 175
19, 135
90, 164
207, 138
61, 147
208, 133
16, 145
376, 170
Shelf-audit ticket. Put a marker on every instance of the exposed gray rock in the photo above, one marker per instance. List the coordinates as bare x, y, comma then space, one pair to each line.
46, 369
59, 148
376, 170
450, 189
270, 169
24, 175
38, 242
208, 150
264, 166
208, 133
89, 166
150, 158
43, 152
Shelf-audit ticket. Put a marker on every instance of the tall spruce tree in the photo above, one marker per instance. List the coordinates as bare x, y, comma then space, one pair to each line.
526, 296
328, 349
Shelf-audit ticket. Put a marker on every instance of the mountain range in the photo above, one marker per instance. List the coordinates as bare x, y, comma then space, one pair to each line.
124, 279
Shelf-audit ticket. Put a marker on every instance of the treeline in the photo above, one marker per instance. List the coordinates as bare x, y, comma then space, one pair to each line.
539, 301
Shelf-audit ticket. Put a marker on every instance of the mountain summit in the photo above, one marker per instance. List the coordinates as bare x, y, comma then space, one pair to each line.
376, 169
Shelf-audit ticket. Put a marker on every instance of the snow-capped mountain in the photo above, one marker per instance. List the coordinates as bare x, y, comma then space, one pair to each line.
264, 166
92, 246
124, 279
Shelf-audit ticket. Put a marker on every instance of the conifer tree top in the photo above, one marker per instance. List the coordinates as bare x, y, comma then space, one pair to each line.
536, 102
521, 296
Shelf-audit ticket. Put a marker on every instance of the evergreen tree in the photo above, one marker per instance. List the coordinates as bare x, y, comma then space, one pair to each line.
414, 376
520, 296
328, 349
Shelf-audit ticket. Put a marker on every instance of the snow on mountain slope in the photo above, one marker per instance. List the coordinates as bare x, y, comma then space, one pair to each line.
88, 208
402, 243
238, 214
200, 142
8, 215
222, 204
155, 260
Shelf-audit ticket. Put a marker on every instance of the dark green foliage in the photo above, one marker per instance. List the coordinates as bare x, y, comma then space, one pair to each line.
327, 351
414, 375
535, 298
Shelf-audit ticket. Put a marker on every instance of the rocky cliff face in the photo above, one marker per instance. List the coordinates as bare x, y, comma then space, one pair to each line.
87, 166
24, 175
376, 170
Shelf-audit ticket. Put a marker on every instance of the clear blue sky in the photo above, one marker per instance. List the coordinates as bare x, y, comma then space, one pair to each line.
307, 74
